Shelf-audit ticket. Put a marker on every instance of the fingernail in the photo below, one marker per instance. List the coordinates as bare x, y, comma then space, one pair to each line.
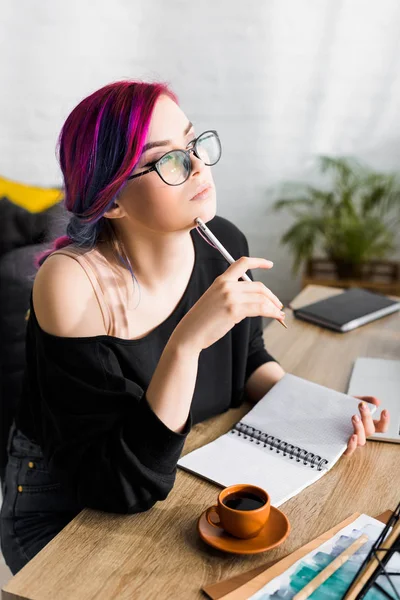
282, 314
269, 262
384, 413
353, 438
356, 418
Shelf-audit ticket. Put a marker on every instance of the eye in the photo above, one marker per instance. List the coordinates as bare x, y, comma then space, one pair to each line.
155, 159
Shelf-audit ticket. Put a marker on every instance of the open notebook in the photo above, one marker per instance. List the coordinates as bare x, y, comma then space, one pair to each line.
291, 437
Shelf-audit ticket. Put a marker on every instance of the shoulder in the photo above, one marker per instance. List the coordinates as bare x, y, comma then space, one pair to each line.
229, 235
64, 300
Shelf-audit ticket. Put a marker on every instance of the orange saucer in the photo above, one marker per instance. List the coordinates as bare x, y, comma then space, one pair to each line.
273, 533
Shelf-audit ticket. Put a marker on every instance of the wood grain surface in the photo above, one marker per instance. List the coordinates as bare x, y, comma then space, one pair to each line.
158, 554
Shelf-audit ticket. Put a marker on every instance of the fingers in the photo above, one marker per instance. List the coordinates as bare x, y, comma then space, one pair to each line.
370, 399
372, 426
241, 304
359, 430
259, 288
263, 308
382, 424
351, 445
366, 418
239, 267
364, 425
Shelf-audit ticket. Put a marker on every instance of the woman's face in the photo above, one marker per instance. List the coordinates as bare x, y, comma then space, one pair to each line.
149, 203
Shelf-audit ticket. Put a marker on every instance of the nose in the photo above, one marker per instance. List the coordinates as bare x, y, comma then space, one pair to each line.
198, 165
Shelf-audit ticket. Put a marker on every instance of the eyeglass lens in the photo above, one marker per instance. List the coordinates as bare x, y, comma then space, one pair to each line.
175, 166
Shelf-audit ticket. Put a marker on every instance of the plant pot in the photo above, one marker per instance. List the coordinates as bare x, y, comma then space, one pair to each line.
346, 269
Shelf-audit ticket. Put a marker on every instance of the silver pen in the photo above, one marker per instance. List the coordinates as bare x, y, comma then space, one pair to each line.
203, 227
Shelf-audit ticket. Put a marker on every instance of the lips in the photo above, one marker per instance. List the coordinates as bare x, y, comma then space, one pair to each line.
201, 188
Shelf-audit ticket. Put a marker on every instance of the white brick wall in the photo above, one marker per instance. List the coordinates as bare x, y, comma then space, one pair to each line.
280, 80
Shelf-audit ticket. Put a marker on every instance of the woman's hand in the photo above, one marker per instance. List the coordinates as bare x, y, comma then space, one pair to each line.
366, 425
227, 302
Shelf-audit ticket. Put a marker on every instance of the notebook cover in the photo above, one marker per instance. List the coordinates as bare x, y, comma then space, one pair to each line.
342, 308
215, 591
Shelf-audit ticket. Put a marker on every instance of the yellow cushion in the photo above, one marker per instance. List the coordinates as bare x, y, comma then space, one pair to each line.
33, 199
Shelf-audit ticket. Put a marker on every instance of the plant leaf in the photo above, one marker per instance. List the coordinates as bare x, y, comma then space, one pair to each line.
355, 220
302, 238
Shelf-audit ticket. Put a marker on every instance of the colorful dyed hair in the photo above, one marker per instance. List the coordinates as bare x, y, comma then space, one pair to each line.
99, 146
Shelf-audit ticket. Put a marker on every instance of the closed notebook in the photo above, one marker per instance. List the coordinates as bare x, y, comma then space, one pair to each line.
290, 439
347, 311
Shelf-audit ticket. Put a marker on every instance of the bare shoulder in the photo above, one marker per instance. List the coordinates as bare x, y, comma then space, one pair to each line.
64, 300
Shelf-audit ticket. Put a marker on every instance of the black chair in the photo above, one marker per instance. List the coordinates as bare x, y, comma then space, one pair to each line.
23, 235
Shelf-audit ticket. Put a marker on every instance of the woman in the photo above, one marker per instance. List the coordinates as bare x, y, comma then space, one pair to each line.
138, 328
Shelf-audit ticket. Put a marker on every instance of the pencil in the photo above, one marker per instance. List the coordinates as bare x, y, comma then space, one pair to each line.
217, 244
331, 568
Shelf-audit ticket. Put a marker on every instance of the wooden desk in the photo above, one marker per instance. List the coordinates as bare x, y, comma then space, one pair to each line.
158, 554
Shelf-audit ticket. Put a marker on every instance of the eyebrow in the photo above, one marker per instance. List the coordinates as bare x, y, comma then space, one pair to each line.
165, 142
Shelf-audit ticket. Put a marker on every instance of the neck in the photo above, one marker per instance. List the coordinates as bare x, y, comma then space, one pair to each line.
158, 259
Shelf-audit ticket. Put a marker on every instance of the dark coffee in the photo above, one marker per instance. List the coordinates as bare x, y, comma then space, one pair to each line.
244, 501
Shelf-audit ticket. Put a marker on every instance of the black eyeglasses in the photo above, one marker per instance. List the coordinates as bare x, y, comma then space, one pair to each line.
175, 166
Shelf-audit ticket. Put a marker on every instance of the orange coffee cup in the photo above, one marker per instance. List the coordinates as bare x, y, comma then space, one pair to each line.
240, 523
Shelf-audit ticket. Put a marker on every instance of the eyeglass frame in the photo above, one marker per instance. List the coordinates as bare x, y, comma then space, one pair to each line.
187, 153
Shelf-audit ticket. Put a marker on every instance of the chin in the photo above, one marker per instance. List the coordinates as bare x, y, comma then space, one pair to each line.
206, 211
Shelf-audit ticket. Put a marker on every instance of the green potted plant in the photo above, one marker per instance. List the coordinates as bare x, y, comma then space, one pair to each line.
352, 221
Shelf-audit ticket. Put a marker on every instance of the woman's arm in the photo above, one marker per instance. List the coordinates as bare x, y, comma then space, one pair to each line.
171, 388
262, 380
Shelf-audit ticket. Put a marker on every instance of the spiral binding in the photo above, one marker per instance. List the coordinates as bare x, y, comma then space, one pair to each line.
300, 454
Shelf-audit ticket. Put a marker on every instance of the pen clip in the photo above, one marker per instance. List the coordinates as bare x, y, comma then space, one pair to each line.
202, 228
204, 238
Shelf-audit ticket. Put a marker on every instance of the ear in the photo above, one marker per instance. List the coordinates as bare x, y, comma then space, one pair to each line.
115, 212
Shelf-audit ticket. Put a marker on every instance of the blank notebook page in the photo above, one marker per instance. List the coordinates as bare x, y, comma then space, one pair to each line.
230, 460
307, 415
